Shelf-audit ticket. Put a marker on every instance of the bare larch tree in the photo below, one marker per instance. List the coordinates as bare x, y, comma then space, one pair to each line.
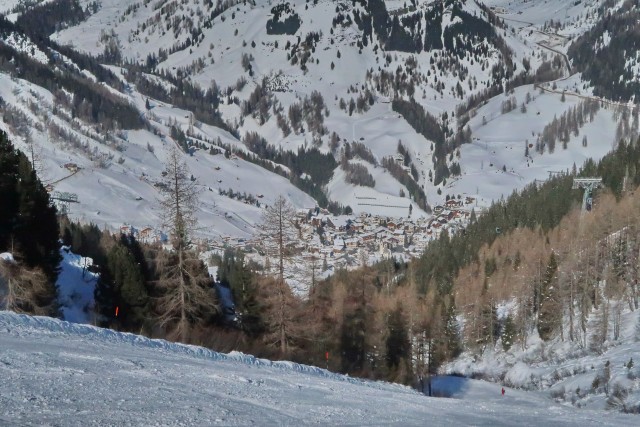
185, 298
24, 290
279, 230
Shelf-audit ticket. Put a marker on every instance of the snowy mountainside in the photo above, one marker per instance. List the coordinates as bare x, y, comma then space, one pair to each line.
122, 189
449, 58
229, 45
565, 370
50, 368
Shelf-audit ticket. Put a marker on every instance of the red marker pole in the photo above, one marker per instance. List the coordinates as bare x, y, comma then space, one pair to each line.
326, 356
117, 311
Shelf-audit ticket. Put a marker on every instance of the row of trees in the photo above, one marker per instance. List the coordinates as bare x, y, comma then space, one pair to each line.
569, 123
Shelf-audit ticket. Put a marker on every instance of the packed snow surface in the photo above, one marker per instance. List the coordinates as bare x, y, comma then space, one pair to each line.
59, 373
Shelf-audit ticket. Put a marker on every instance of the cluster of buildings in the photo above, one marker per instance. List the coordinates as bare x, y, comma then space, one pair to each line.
342, 241
146, 234
348, 241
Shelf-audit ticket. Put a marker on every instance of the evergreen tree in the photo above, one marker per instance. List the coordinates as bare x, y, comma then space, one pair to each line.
549, 312
353, 341
397, 343
451, 332
508, 333
131, 296
234, 274
28, 222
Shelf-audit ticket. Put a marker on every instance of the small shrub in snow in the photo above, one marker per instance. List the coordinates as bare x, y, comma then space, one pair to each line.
617, 397
559, 393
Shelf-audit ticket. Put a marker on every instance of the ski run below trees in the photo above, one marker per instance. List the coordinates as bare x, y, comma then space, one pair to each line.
54, 372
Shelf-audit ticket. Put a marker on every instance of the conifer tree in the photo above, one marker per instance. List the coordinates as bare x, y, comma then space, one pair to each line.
508, 333
28, 223
550, 308
398, 346
131, 295
248, 303
353, 341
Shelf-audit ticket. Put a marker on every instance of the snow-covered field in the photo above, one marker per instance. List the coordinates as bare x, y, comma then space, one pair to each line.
58, 373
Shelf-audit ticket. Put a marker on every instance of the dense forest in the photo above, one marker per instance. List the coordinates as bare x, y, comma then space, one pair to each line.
602, 53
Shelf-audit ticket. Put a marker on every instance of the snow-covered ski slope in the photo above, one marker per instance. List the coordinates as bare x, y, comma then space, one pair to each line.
59, 373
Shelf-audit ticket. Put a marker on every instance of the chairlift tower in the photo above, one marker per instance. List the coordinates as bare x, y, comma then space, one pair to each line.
588, 185
61, 200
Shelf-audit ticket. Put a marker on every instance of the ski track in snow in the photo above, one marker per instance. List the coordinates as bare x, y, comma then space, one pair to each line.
58, 373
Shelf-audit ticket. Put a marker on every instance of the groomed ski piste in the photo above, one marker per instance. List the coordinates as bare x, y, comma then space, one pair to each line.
54, 372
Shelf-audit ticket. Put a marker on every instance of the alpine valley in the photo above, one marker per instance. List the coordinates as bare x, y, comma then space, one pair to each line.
386, 189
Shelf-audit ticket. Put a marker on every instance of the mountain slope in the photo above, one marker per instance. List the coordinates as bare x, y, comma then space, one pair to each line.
454, 81
57, 372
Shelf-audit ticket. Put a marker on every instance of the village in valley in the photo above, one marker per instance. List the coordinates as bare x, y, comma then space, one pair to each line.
345, 241
349, 241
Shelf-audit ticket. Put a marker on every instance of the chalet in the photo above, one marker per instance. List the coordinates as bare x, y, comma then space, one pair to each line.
357, 225
326, 250
409, 227
368, 237
452, 203
71, 167
338, 245
438, 209
351, 243
329, 224
392, 225
381, 233
145, 233
401, 236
